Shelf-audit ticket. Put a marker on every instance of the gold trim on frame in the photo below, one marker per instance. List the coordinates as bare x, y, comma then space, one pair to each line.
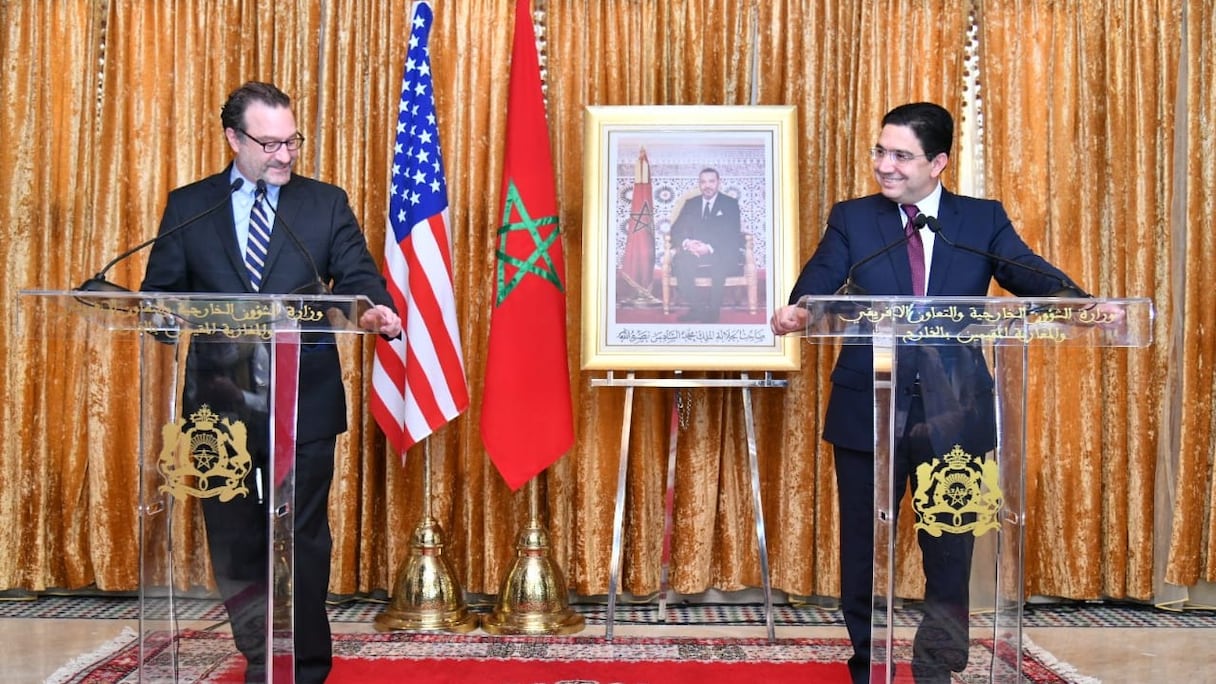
667, 344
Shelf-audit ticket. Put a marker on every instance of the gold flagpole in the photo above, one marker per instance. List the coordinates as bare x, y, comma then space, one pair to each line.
533, 597
426, 595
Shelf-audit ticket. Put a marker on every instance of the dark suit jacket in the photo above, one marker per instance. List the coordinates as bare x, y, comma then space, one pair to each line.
861, 227
722, 229
204, 257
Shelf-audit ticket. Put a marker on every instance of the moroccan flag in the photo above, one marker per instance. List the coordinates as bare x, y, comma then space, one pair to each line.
637, 264
527, 421
418, 381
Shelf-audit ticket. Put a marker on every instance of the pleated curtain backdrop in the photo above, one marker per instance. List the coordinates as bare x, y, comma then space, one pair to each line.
1097, 135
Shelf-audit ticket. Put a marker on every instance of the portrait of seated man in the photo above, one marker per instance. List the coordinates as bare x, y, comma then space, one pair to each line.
707, 238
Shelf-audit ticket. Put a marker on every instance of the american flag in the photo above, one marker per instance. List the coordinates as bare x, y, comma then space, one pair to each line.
418, 383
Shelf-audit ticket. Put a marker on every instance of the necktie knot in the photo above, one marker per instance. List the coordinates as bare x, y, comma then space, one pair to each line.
911, 211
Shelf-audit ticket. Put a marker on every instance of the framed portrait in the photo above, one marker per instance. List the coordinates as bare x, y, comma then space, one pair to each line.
689, 245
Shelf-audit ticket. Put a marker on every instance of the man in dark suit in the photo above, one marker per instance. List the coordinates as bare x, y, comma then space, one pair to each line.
707, 236
212, 255
951, 397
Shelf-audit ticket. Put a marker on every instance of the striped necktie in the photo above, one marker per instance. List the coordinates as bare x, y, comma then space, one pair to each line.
259, 238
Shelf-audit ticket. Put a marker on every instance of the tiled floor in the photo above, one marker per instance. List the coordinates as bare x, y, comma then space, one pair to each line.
34, 648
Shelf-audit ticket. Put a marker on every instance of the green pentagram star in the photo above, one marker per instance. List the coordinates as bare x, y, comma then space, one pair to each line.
529, 265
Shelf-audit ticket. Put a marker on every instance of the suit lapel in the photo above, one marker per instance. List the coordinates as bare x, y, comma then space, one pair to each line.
948, 219
226, 227
890, 226
285, 212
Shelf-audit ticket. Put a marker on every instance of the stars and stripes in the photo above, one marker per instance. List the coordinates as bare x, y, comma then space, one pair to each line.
418, 383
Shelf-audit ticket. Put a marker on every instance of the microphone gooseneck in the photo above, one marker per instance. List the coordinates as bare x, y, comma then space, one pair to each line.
317, 286
852, 288
1067, 288
98, 283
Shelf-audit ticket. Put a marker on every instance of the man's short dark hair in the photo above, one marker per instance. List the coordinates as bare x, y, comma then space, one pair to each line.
930, 123
232, 115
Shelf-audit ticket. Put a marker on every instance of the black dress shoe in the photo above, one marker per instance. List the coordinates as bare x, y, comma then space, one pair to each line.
930, 673
255, 674
700, 314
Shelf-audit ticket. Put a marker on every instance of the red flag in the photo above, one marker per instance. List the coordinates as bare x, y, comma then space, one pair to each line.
637, 263
527, 421
418, 382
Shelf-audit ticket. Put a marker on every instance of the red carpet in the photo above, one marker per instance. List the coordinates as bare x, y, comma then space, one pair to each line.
457, 659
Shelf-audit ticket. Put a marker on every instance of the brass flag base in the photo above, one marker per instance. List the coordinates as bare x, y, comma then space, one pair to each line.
533, 598
427, 596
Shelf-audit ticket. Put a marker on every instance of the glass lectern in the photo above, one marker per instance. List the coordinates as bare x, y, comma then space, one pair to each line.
950, 398
218, 381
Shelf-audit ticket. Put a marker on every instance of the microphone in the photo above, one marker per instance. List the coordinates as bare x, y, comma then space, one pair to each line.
318, 286
98, 283
852, 288
1067, 288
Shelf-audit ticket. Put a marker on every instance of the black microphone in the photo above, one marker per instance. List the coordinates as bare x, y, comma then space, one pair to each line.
318, 286
852, 288
98, 283
1067, 288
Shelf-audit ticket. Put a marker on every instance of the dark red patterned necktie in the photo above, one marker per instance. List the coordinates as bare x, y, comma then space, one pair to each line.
916, 250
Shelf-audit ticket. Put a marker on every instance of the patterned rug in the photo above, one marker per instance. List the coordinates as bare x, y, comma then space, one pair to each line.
1068, 614
203, 656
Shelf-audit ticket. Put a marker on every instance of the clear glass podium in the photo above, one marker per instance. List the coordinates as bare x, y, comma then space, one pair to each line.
217, 377
950, 382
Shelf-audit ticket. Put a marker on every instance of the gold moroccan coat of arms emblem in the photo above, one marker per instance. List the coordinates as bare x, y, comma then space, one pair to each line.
204, 456
957, 494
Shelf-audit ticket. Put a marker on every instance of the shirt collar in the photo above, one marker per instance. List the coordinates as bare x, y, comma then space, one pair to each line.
250, 187
930, 205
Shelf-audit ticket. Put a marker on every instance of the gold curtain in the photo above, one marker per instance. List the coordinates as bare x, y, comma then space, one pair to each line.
109, 105
1192, 547
1079, 119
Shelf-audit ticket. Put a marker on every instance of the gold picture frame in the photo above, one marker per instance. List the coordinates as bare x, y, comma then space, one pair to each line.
642, 163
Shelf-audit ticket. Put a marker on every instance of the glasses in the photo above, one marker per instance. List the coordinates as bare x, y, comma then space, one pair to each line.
896, 156
270, 146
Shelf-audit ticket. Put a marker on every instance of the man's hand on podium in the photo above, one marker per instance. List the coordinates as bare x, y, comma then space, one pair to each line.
381, 319
788, 319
